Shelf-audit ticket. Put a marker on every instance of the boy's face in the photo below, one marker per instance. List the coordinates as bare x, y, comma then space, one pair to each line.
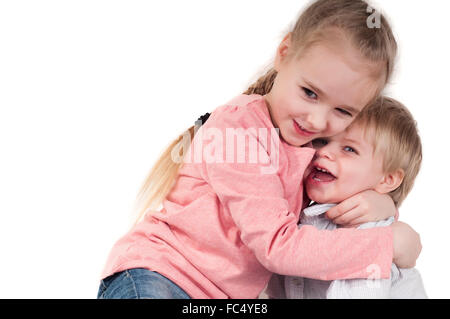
351, 164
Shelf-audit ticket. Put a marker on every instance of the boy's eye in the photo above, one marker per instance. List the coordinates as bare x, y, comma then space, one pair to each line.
350, 149
309, 93
344, 112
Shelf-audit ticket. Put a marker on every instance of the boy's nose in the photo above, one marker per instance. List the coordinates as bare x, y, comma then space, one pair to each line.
325, 151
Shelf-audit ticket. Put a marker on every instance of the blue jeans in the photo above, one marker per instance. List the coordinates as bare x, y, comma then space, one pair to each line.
139, 283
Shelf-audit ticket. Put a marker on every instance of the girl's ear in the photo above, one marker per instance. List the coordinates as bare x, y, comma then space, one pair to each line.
283, 51
390, 181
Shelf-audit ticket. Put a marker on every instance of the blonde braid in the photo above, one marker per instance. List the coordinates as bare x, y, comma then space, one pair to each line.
264, 84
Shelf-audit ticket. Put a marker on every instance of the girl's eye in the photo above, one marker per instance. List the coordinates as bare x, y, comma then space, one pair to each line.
310, 94
350, 149
344, 112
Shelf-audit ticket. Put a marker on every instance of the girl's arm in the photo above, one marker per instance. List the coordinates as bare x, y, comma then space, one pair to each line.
370, 206
407, 246
257, 203
367, 206
258, 207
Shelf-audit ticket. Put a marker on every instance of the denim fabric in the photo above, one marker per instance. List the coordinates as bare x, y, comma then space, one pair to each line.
139, 283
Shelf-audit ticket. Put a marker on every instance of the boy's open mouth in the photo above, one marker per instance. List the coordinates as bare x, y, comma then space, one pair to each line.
320, 174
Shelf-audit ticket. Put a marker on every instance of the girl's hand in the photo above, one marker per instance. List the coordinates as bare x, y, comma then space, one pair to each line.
367, 206
407, 246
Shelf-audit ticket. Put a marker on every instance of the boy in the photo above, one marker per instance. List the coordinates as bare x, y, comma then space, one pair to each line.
381, 150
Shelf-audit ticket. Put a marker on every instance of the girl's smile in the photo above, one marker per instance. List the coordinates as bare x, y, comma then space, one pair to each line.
301, 130
319, 93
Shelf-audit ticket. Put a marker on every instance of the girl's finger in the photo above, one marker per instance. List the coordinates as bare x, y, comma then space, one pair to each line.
351, 226
342, 208
362, 219
348, 217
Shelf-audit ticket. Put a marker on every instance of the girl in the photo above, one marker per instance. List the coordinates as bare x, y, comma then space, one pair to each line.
226, 225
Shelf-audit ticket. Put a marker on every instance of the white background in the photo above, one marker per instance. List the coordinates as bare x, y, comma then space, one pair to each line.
91, 92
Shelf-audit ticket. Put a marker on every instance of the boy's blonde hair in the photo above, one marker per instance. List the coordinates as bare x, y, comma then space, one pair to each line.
376, 45
395, 139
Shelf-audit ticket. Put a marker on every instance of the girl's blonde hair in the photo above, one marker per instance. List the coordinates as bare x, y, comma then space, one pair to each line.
373, 38
395, 139
376, 44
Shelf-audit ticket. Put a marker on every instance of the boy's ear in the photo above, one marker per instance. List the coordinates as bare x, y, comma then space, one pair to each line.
390, 181
282, 51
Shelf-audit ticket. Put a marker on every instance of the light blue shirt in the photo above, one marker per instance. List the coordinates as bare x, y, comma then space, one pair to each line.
403, 284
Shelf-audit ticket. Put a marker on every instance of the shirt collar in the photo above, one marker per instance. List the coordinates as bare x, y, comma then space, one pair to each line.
317, 209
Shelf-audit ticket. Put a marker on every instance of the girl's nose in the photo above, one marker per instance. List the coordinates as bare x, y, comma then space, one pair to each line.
317, 120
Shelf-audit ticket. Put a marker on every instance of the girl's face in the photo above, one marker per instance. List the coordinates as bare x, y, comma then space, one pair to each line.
320, 93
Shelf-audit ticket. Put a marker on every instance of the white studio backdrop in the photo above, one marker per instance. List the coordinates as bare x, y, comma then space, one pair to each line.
91, 92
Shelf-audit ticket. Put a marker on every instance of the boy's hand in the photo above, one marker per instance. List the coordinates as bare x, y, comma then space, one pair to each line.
367, 206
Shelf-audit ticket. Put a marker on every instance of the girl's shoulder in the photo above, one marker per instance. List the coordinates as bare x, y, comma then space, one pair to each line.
244, 100
243, 111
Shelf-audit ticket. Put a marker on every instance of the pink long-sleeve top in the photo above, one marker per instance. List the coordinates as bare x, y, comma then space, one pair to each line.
227, 225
